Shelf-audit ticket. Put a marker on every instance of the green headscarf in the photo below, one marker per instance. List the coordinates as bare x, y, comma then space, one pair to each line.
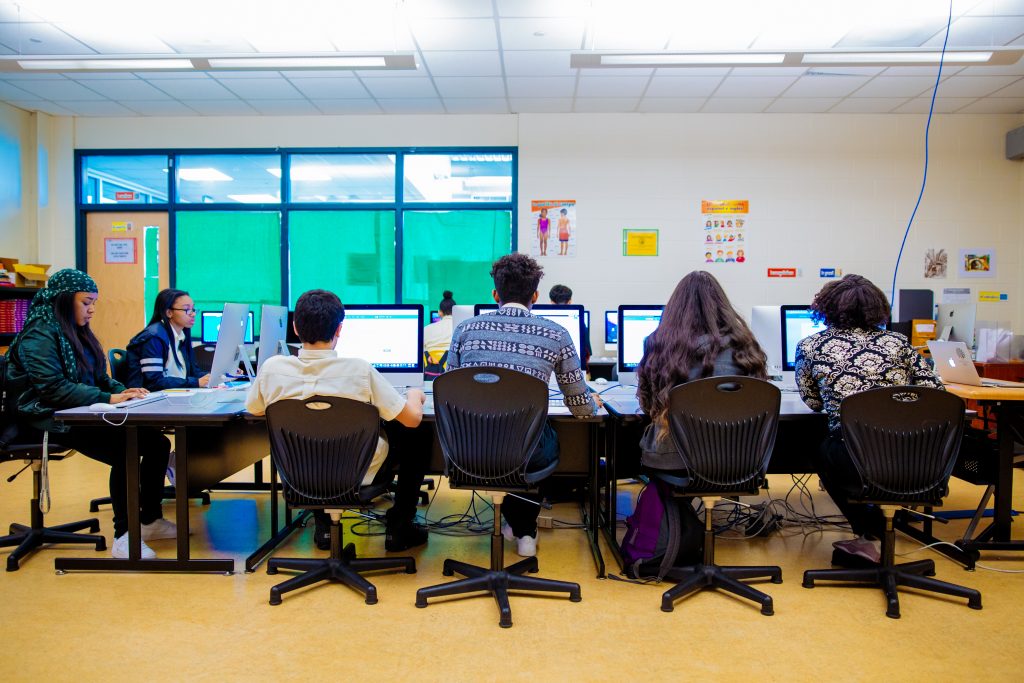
41, 311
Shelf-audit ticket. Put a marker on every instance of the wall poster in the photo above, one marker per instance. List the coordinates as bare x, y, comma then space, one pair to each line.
554, 227
724, 226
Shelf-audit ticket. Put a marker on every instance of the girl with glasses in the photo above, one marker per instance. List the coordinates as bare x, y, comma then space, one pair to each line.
160, 357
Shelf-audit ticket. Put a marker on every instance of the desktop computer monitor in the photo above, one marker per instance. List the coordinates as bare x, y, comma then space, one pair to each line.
273, 332
956, 322
611, 327
796, 323
227, 355
569, 316
765, 324
635, 324
211, 327
389, 337
435, 316
461, 314
586, 319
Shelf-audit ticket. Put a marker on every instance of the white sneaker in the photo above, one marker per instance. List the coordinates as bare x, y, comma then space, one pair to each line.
526, 546
158, 530
119, 549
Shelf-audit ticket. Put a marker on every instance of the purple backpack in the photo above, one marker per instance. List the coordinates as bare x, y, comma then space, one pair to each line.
653, 533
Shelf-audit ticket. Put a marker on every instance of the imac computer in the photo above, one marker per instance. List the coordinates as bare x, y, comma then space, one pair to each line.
635, 324
956, 322
211, 327
611, 328
230, 348
766, 326
461, 314
387, 336
796, 323
435, 316
273, 333
569, 316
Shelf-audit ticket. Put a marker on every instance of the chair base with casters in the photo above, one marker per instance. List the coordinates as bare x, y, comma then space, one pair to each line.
341, 567
497, 579
697, 577
168, 494
29, 538
889, 576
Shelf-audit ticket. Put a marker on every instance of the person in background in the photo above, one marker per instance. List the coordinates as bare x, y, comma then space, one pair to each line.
160, 356
561, 295
56, 363
531, 345
437, 337
318, 370
853, 354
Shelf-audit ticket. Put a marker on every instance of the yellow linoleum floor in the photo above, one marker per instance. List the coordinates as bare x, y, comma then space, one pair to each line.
155, 627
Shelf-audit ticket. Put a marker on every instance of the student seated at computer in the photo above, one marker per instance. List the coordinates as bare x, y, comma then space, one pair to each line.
318, 370
437, 337
561, 295
532, 345
160, 357
56, 363
853, 354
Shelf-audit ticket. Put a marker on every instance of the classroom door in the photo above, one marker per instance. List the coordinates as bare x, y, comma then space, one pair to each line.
127, 255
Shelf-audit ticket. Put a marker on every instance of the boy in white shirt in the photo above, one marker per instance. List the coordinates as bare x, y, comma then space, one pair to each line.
318, 370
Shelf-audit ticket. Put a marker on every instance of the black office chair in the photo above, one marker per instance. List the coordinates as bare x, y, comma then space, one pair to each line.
489, 423
724, 429
118, 364
30, 537
322, 447
903, 441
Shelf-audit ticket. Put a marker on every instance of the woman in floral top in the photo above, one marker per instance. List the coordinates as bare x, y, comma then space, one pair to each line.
851, 355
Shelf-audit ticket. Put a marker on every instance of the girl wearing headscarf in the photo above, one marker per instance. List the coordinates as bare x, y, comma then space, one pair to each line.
56, 363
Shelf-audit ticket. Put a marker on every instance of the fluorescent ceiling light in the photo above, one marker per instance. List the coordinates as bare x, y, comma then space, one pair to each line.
102, 64
692, 59
202, 174
350, 62
894, 57
255, 198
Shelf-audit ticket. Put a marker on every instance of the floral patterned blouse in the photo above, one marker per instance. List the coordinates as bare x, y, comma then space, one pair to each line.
836, 363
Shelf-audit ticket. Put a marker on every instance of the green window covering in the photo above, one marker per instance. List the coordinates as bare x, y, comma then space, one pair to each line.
351, 253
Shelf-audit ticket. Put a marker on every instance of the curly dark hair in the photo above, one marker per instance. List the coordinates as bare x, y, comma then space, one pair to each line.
852, 301
516, 277
697, 324
560, 294
317, 315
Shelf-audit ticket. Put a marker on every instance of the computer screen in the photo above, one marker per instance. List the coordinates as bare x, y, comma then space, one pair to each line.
956, 322
796, 324
211, 327
227, 353
273, 332
435, 316
569, 316
388, 336
586, 319
765, 323
611, 327
635, 324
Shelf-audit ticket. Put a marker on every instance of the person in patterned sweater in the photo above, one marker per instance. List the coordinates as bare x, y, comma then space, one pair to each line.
853, 354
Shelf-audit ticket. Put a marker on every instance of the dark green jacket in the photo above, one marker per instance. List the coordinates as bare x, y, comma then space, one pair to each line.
39, 381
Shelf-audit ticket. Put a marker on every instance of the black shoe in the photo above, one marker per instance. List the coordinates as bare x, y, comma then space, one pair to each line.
404, 536
322, 532
841, 558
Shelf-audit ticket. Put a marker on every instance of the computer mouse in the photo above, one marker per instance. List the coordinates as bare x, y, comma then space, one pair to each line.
601, 380
101, 407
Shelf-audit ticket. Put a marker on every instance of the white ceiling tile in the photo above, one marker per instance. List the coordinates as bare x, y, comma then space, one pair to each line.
847, 70
319, 73
284, 107
541, 87
400, 87
803, 105
995, 105
973, 86
542, 8
44, 106
421, 105
752, 87
671, 105
15, 12
40, 39
980, 32
10, 91
194, 89
478, 105
330, 88
104, 41
261, 88
450, 8
537, 63
868, 105
911, 32
683, 86
101, 76
276, 40
125, 90
943, 105
466, 63
419, 72
1015, 89
605, 104
997, 7
825, 86
16, 76
542, 34
694, 71
540, 105
736, 105
204, 42
370, 36
59, 90
172, 75
895, 86
470, 87
160, 108
352, 106
769, 71
611, 86
455, 34
220, 107
926, 71
1016, 69
228, 75
104, 108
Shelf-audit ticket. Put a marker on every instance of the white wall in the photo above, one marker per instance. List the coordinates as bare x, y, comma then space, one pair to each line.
825, 190
17, 180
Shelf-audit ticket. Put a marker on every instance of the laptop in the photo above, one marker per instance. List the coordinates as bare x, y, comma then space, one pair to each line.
954, 364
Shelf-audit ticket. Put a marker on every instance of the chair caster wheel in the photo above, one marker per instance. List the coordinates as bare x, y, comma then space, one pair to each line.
60, 572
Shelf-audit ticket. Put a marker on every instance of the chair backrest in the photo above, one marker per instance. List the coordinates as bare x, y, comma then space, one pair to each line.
434, 364
724, 428
489, 422
203, 355
322, 447
8, 428
903, 441
118, 364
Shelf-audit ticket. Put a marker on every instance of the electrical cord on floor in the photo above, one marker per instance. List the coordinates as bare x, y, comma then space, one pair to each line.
953, 545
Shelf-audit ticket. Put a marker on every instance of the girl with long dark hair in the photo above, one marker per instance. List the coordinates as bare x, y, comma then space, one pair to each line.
160, 357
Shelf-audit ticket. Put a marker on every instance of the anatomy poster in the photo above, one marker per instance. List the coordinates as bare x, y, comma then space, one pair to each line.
553, 227
724, 230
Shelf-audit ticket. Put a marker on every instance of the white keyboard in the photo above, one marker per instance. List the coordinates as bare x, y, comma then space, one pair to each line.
135, 402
